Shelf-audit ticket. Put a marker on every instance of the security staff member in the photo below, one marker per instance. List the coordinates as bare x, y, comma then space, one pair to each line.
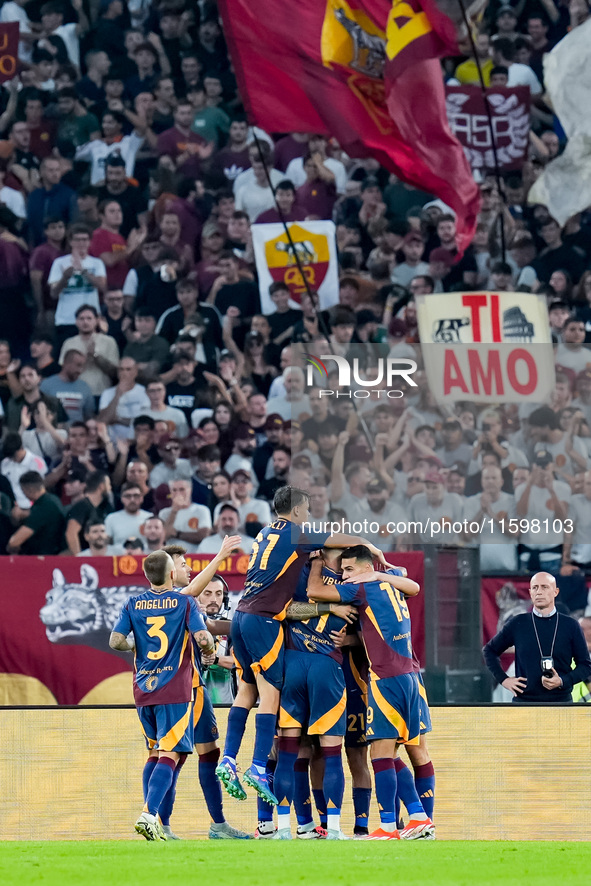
546, 643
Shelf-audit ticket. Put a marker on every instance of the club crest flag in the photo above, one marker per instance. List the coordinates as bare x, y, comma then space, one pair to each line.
8, 50
486, 347
366, 73
313, 243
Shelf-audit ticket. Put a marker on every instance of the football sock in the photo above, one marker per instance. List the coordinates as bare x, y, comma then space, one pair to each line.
211, 787
147, 773
283, 783
167, 804
405, 786
361, 804
333, 786
301, 795
160, 782
425, 785
320, 804
385, 778
264, 809
236, 725
264, 737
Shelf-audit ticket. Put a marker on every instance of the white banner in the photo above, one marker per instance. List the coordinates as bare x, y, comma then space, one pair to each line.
487, 347
316, 248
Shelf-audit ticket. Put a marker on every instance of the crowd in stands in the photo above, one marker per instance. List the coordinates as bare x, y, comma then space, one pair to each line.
146, 399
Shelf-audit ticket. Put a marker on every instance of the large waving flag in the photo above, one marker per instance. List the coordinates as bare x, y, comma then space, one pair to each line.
364, 71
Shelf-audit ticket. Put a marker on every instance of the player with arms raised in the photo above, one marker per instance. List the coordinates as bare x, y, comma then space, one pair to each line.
162, 622
278, 556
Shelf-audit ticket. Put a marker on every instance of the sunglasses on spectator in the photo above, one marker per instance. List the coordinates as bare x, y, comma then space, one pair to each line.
414, 480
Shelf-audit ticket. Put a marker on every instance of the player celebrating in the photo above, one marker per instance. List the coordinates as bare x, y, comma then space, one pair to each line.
394, 701
205, 729
162, 621
278, 555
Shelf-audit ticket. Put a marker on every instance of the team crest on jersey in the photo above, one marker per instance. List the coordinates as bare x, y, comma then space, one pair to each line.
151, 683
79, 612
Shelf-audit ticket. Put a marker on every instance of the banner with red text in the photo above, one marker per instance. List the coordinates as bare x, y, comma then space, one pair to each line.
487, 347
8, 50
58, 613
469, 121
313, 246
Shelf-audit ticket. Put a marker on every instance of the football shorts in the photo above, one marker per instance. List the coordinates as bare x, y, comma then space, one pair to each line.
205, 727
394, 709
257, 646
168, 727
313, 694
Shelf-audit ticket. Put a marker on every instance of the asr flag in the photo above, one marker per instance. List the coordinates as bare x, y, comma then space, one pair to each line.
314, 243
363, 71
8, 50
486, 347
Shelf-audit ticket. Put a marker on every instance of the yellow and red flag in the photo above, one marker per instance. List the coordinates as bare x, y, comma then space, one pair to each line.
363, 71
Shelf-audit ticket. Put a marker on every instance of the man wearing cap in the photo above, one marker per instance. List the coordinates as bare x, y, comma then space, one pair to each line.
184, 521
171, 467
227, 523
567, 452
436, 508
250, 510
506, 20
244, 447
440, 263
261, 460
546, 500
129, 521
412, 266
454, 446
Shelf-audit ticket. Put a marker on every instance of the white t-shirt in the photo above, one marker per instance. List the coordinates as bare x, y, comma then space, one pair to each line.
105, 346
175, 418
523, 75
97, 152
70, 37
572, 358
120, 525
580, 512
254, 200
403, 273
248, 178
450, 510
253, 511
392, 514
14, 200
559, 454
497, 550
211, 544
131, 404
163, 474
187, 520
539, 509
13, 471
296, 173
78, 290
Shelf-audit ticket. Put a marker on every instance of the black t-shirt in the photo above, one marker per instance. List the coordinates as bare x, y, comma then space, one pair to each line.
114, 329
456, 274
51, 369
564, 257
187, 397
48, 523
132, 203
243, 295
279, 323
83, 511
154, 293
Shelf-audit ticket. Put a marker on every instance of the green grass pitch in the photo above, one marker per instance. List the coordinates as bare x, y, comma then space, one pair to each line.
313, 864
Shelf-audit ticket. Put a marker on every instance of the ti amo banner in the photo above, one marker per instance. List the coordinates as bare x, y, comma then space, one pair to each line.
313, 246
487, 347
8, 50
59, 612
469, 122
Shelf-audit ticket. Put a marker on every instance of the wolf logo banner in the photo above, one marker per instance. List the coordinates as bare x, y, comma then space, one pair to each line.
487, 347
307, 260
358, 71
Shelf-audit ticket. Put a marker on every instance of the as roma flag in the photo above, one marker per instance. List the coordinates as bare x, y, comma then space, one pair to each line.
363, 71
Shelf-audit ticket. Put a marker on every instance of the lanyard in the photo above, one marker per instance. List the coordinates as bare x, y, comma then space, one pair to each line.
533, 619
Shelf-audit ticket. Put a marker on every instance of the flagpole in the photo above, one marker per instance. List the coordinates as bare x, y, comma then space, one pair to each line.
497, 168
313, 296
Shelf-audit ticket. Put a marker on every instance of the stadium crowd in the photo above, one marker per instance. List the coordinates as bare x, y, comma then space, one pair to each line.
145, 399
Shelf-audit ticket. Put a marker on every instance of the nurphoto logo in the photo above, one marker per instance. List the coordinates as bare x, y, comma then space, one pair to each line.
386, 371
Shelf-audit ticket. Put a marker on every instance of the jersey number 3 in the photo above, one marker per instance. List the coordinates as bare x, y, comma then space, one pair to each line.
158, 622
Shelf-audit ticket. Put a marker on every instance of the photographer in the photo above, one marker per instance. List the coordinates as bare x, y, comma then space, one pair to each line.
546, 643
218, 668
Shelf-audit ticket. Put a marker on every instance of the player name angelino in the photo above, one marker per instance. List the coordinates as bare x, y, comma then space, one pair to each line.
164, 603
